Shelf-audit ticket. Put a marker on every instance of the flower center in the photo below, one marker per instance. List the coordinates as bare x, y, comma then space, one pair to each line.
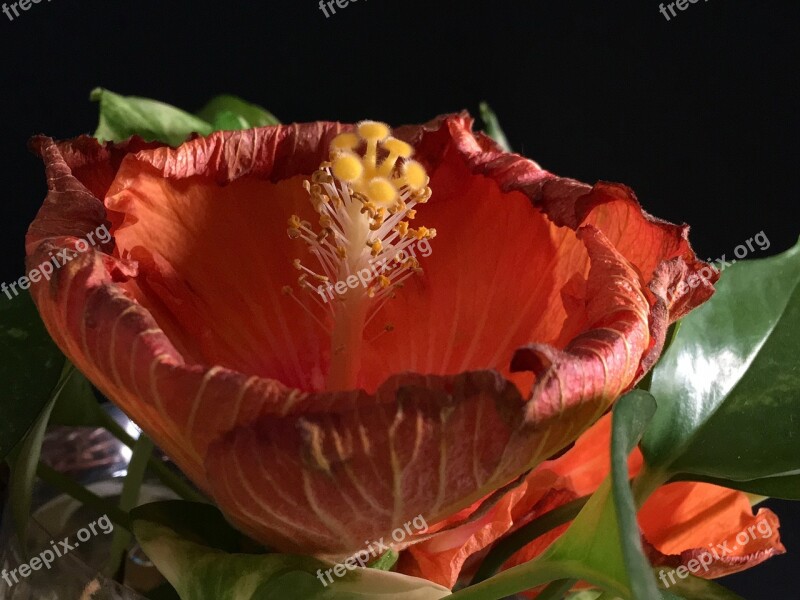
363, 245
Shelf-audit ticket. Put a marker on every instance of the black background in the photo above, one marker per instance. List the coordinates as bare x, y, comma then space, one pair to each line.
698, 114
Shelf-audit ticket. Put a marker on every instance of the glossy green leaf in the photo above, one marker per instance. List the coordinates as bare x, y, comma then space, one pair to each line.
728, 389
603, 545
230, 113
492, 127
198, 572
30, 366
124, 116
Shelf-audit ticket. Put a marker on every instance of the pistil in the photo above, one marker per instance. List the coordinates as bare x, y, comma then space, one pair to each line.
365, 202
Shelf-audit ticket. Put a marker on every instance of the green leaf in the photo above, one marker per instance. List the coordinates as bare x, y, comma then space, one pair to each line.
198, 572
728, 389
603, 545
557, 589
696, 588
509, 545
585, 595
76, 405
230, 113
492, 125
182, 518
163, 592
124, 116
386, 561
23, 468
631, 415
30, 366
140, 455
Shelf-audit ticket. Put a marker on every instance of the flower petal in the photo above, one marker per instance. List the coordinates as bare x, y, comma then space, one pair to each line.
683, 521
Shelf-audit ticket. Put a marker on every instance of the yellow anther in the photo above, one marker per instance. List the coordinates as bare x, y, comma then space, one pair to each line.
321, 176
411, 214
382, 191
416, 176
384, 281
377, 219
325, 221
295, 222
341, 252
348, 167
423, 232
345, 141
402, 228
373, 130
376, 246
422, 196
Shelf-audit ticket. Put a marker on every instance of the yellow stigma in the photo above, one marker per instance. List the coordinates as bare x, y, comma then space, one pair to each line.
381, 191
345, 141
348, 167
384, 174
365, 250
372, 130
398, 148
415, 176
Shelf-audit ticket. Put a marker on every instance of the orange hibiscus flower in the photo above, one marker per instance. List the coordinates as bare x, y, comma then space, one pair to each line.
430, 330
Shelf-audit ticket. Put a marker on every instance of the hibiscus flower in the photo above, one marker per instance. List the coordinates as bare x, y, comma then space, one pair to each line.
323, 397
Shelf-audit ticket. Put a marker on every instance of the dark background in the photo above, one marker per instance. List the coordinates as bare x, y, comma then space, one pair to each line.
698, 114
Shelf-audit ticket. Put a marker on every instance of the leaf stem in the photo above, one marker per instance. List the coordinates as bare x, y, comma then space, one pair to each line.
74, 489
557, 590
523, 536
142, 451
167, 476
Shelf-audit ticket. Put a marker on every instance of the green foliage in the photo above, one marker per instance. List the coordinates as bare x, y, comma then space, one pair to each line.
728, 389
